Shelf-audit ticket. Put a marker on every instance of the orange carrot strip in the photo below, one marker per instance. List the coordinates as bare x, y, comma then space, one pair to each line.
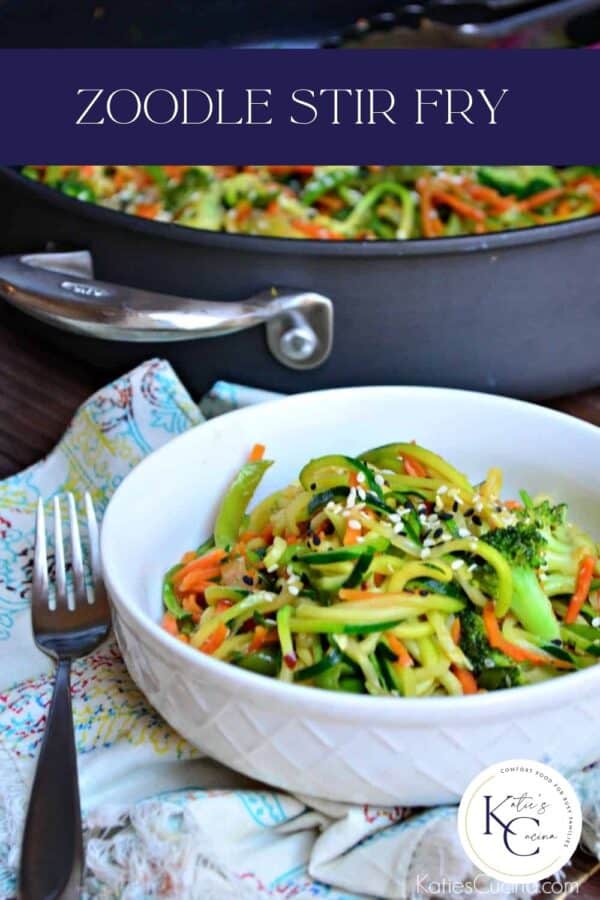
582, 589
455, 631
519, 654
466, 678
404, 658
313, 230
351, 536
356, 594
169, 623
190, 604
203, 562
513, 504
197, 581
147, 210
414, 468
462, 208
541, 199
215, 640
257, 453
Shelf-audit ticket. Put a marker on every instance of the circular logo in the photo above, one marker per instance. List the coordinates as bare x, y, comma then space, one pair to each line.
519, 821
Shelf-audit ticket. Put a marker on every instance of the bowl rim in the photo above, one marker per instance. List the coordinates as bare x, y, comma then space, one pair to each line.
425, 711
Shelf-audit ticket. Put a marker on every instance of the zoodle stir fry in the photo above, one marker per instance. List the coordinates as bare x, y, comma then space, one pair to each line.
337, 202
389, 574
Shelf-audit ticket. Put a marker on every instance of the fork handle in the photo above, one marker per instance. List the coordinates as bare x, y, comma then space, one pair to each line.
52, 851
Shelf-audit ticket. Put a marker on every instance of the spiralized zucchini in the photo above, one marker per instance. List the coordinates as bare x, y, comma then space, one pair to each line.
389, 574
337, 202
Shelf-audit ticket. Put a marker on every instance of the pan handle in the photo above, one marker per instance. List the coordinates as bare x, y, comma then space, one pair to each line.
59, 288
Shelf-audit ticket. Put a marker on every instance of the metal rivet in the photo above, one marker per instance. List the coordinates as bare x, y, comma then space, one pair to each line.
298, 344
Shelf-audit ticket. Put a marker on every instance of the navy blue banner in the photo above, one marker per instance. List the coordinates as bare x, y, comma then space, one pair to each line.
297, 106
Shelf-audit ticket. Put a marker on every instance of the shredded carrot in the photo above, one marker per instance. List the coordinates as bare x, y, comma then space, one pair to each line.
353, 480
287, 170
356, 594
169, 623
519, 654
541, 199
243, 211
261, 637
147, 210
267, 534
404, 658
467, 680
351, 536
198, 580
455, 631
513, 504
257, 453
430, 221
314, 230
215, 640
208, 561
190, 604
414, 468
460, 206
582, 589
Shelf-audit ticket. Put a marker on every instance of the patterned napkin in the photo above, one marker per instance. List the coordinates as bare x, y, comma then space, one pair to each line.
162, 821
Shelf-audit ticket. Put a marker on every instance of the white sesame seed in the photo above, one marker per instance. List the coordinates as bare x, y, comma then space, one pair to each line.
380, 480
362, 493
442, 489
360, 477
360, 539
354, 524
464, 532
425, 552
293, 589
472, 567
398, 527
394, 517
428, 542
457, 564
596, 622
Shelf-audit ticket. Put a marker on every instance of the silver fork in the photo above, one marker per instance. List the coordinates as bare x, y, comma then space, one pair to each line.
69, 627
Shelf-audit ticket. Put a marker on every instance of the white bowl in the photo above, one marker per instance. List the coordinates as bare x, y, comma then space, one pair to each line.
321, 743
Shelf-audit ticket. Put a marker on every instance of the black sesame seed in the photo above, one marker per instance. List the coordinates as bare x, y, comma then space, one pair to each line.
445, 516
477, 520
247, 579
455, 506
424, 593
316, 540
469, 512
313, 486
557, 642
498, 509
328, 528
422, 510
438, 532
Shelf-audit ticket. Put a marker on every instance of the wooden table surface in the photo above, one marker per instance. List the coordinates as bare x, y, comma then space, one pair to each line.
40, 391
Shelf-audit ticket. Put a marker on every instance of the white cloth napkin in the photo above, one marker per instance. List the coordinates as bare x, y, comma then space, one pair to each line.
161, 821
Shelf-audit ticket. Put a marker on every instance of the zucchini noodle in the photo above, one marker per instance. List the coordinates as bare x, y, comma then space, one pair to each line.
389, 574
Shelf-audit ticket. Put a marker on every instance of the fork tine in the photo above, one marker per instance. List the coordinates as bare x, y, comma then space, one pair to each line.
79, 588
62, 598
40, 562
95, 560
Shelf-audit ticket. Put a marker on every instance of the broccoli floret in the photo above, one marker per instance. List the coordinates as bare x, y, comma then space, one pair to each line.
562, 545
524, 548
492, 668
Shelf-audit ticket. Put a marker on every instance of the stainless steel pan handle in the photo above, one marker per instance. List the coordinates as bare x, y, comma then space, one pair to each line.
59, 288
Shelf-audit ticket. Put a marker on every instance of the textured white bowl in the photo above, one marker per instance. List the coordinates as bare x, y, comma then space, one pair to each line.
325, 744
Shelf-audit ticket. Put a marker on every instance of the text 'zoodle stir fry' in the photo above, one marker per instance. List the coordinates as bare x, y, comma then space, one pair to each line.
337, 202
389, 574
